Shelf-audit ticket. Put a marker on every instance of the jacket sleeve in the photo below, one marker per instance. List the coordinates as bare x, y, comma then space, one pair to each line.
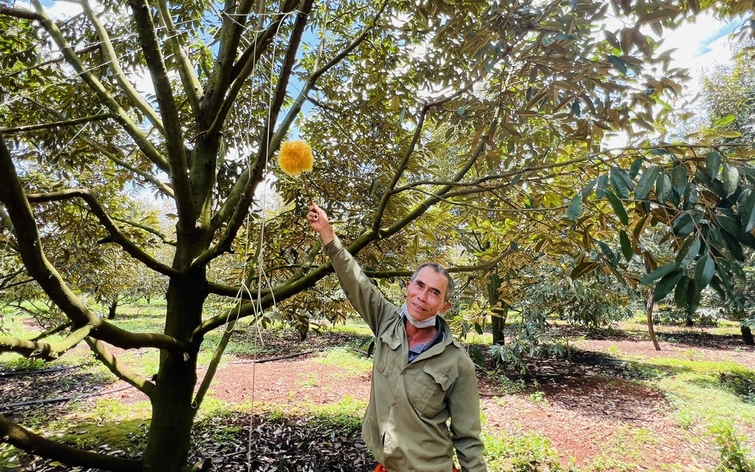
366, 299
464, 408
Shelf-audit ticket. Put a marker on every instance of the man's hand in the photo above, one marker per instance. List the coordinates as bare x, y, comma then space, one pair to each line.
318, 220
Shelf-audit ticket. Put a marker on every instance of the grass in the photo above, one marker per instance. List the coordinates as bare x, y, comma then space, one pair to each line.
349, 362
711, 400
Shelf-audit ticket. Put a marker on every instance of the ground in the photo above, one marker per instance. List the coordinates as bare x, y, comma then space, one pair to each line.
588, 405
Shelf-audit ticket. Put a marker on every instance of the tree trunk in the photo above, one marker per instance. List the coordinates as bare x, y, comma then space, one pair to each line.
498, 320
651, 330
747, 335
169, 439
497, 324
111, 310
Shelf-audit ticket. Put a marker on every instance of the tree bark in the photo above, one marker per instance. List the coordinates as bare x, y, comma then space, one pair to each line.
173, 408
498, 319
43, 447
112, 309
747, 336
651, 330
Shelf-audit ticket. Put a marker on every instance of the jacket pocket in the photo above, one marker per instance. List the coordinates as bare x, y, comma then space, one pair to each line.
386, 347
427, 392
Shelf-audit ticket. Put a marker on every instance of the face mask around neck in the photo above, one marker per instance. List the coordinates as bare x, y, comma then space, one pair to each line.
430, 322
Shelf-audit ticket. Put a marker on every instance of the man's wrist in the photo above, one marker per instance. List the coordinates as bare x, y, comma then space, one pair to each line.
327, 237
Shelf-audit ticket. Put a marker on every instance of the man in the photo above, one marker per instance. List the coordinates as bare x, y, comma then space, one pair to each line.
421, 377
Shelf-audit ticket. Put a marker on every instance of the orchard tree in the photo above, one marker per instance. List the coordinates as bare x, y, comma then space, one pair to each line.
431, 121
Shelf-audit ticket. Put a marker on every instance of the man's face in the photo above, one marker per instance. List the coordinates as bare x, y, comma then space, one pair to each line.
425, 295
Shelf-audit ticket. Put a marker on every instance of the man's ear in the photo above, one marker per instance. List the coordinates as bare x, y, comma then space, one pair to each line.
445, 308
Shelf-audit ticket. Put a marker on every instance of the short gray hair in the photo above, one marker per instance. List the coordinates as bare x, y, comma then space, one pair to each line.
440, 270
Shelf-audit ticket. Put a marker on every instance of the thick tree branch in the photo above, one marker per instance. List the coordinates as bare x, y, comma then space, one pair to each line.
189, 79
243, 192
174, 142
56, 124
112, 59
21, 14
120, 370
41, 349
240, 190
30, 248
234, 17
119, 113
267, 146
115, 233
245, 68
15, 435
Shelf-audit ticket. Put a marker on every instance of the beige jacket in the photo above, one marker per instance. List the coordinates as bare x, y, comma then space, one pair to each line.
406, 425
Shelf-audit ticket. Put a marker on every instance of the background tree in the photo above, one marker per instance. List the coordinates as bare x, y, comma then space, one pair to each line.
431, 121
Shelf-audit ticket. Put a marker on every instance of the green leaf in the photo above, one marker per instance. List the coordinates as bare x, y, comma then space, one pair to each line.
626, 245
704, 271
747, 212
634, 169
730, 225
574, 211
589, 188
712, 164
688, 252
735, 249
612, 259
478, 357
618, 208
618, 63
691, 197
583, 268
645, 185
724, 121
662, 186
621, 182
658, 273
680, 293
612, 39
679, 179
730, 178
600, 191
667, 284
683, 225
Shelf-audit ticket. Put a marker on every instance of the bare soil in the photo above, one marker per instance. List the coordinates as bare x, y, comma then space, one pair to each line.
591, 405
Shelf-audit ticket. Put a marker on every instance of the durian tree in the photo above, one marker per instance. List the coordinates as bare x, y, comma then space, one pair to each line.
451, 130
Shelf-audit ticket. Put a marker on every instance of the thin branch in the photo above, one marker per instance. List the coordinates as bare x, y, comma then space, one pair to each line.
56, 124
119, 113
189, 79
174, 142
116, 235
79, 52
112, 59
115, 158
121, 371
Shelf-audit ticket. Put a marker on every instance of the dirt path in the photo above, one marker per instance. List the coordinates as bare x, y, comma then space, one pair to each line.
592, 409
586, 413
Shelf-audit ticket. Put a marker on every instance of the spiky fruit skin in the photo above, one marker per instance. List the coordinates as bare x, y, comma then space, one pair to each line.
295, 157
